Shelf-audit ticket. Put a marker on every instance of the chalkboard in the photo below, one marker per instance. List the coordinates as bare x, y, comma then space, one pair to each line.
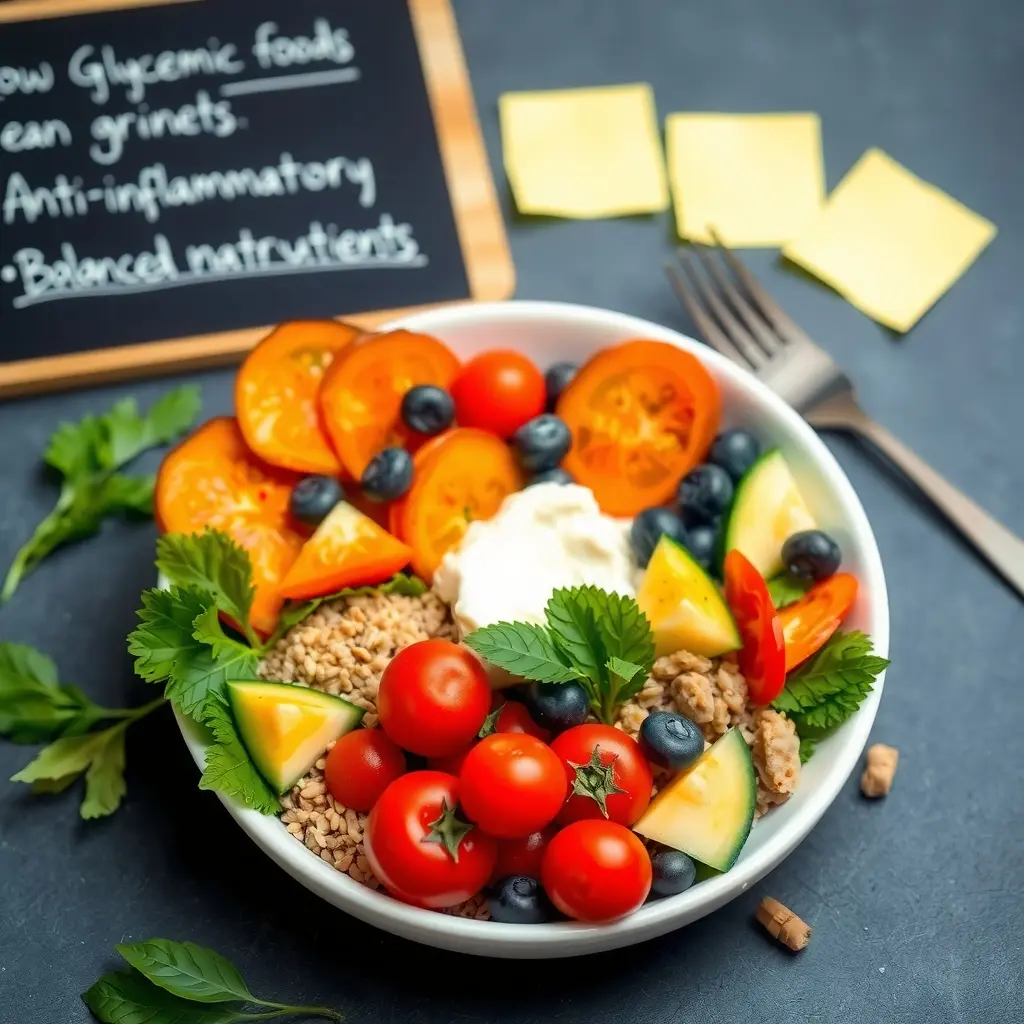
176, 175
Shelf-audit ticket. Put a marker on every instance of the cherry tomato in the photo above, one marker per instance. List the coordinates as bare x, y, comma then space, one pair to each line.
596, 870
498, 391
512, 784
809, 622
762, 659
433, 698
515, 718
642, 415
607, 774
450, 763
522, 856
360, 766
420, 849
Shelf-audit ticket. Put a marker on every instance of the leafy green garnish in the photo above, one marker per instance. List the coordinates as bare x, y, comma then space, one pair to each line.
88, 455
786, 591
599, 639
826, 691
181, 983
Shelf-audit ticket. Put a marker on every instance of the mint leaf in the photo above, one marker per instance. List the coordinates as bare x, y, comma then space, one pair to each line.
213, 563
785, 591
187, 970
573, 626
125, 997
228, 767
524, 649
104, 778
623, 627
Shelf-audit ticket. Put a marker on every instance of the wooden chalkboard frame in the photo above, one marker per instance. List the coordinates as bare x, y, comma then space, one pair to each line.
474, 198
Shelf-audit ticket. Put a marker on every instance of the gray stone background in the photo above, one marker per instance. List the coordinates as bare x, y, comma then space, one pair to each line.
916, 901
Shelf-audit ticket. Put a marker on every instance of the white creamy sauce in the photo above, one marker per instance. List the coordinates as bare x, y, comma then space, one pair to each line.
542, 538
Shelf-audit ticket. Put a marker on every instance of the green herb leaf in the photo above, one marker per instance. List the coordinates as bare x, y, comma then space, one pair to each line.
187, 970
68, 756
229, 769
208, 629
626, 678
624, 628
294, 612
133, 494
524, 649
808, 744
104, 779
125, 997
827, 690
210, 562
127, 433
786, 591
573, 626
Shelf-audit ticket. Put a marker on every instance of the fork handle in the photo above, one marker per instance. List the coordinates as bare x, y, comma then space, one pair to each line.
1002, 549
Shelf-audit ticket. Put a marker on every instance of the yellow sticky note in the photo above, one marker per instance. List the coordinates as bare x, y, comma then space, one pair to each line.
757, 179
584, 153
889, 242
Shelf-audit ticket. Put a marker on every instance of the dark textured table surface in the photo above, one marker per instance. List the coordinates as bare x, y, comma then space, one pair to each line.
916, 901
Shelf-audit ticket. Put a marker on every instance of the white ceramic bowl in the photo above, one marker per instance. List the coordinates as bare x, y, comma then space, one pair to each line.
547, 332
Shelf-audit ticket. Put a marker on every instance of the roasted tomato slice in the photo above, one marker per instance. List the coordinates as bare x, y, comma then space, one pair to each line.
809, 622
459, 477
212, 480
762, 659
642, 415
276, 394
362, 393
347, 550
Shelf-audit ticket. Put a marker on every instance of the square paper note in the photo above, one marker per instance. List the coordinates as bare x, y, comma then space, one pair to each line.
758, 179
889, 242
584, 152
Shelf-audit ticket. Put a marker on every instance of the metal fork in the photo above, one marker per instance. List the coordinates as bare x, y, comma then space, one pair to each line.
740, 319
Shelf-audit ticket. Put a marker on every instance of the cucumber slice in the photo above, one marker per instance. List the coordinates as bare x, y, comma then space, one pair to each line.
767, 509
707, 811
683, 605
285, 727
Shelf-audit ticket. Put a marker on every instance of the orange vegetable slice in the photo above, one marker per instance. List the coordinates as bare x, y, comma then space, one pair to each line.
809, 622
212, 479
459, 477
276, 394
347, 550
362, 392
642, 415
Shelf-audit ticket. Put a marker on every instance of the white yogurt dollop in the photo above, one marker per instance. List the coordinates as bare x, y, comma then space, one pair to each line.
542, 538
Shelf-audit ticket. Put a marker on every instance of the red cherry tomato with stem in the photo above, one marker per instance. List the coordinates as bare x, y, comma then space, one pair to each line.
433, 698
762, 659
360, 766
809, 622
421, 849
498, 391
596, 870
511, 784
607, 774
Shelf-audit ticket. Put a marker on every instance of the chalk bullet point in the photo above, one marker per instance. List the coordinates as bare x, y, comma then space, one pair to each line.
9, 274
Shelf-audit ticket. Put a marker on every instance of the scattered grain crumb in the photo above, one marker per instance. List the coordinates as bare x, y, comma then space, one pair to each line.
782, 924
876, 781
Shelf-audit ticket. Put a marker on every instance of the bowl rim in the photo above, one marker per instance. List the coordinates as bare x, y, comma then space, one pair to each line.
655, 918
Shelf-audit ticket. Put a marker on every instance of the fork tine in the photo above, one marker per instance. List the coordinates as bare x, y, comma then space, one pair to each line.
712, 335
771, 310
768, 339
736, 332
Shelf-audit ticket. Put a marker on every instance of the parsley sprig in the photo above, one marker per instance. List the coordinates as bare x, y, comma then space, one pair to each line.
600, 640
36, 707
88, 455
181, 983
181, 642
826, 691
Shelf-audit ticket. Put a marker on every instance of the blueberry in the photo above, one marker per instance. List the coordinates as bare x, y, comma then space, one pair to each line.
519, 899
670, 740
542, 442
427, 409
555, 380
735, 451
700, 542
648, 527
388, 476
551, 476
557, 706
672, 873
811, 555
313, 497
705, 494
